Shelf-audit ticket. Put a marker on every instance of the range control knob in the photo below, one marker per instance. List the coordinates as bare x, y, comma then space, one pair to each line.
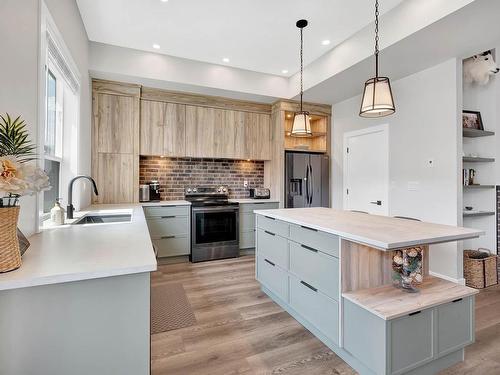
195, 190
189, 190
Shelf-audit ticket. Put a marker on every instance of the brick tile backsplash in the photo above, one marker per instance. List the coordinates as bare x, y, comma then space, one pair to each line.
176, 173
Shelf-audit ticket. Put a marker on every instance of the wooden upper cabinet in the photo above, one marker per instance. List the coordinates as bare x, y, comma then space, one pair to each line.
116, 123
163, 129
229, 134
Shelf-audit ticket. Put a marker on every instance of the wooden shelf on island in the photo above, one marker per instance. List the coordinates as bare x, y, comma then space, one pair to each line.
477, 159
388, 302
478, 213
475, 133
477, 186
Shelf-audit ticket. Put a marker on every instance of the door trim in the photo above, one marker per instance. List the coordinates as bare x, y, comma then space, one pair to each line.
384, 128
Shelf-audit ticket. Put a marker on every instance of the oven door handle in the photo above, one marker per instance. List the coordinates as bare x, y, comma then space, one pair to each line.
215, 208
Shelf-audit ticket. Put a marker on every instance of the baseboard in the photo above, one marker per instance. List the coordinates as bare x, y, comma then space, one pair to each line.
460, 281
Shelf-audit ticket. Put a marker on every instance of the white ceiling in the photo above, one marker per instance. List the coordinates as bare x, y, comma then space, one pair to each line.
257, 35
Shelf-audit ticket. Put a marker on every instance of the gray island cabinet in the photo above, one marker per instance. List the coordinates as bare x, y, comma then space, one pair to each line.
331, 270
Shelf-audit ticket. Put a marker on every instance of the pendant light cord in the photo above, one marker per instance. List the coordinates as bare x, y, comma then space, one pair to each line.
376, 39
301, 67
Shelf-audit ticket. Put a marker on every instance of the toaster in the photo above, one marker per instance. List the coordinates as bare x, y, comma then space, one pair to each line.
260, 193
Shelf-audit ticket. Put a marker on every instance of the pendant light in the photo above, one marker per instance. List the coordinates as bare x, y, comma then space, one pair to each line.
377, 95
301, 124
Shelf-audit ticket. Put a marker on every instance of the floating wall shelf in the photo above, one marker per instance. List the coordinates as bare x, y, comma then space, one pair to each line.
474, 159
480, 213
474, 133
479, 186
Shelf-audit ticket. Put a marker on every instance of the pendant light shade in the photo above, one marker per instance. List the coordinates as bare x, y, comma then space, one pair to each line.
377, 96
301, 123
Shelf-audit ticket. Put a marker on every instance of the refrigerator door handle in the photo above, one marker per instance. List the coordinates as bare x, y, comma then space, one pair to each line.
307, 184
312, 186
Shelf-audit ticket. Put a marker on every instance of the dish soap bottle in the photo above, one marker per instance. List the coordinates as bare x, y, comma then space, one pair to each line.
57, 213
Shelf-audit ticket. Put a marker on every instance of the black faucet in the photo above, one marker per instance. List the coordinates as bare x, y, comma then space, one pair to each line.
70, 209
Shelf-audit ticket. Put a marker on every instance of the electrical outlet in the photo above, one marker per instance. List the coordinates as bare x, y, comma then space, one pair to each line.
245, 183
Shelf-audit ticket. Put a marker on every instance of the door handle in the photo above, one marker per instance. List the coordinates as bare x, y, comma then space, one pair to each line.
378, 203
307, 185
312, 186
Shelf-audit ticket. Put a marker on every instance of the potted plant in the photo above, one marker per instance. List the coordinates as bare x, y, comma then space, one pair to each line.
18, 177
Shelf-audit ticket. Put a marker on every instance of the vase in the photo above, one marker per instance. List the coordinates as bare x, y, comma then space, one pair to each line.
10, 256
412, 269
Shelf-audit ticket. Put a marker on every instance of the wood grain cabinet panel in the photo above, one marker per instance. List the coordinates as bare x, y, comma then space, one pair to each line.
115, 177
163, 129
115, 123
200, 131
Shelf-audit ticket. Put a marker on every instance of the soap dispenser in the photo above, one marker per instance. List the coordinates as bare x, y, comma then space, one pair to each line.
57, 213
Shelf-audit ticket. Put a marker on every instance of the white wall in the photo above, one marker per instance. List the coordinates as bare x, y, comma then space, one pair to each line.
19, 77
424, 127
69, 23
19, 74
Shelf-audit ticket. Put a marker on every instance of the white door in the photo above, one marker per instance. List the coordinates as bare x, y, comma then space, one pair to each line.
366, 170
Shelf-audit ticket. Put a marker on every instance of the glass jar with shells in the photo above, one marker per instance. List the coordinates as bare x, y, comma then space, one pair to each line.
407, 268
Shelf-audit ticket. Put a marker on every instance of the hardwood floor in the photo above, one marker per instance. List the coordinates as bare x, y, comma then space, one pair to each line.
240, 330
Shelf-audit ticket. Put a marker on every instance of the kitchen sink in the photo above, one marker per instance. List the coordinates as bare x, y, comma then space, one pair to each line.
104, 218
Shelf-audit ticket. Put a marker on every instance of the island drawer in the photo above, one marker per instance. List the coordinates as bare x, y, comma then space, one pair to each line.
315, 268
272, 277
159, 211
273, 225
318, 309
272, 247
325, 242
172, 246
454, 324
168, 226
250, 207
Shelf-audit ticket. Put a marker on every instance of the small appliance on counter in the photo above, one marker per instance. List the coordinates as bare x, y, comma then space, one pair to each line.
154, 191
143, 193
260, 193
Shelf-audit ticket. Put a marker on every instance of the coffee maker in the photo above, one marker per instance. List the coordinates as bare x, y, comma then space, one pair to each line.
154, 191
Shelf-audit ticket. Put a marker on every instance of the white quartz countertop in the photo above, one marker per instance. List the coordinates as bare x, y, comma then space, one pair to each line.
253, 201
88, 251
382, 232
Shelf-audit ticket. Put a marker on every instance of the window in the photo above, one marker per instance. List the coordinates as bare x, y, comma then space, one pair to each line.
53, 136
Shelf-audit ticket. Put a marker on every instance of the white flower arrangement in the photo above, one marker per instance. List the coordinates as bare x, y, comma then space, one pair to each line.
18, 175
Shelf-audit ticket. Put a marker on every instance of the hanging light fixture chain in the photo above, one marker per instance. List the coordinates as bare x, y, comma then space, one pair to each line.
376, 38
301, 66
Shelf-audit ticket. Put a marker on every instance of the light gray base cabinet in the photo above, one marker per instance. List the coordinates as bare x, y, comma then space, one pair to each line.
403, 344
170, 229
247, 221
298, 267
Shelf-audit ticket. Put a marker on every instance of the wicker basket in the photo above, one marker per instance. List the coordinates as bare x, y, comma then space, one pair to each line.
10, 256
480, 273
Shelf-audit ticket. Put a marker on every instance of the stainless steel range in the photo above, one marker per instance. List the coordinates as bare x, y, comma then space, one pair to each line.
214, 223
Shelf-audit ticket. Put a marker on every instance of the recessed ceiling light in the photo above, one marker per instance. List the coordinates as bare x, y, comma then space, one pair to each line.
284, 71
156, 46
164, 1
225, 59
325, 42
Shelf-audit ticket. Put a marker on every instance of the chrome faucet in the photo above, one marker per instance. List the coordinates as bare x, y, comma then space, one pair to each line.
69, 208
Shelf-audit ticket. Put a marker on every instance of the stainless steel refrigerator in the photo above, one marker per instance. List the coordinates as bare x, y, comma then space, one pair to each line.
307, 180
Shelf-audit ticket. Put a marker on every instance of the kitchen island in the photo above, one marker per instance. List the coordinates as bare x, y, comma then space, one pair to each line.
80, 303
332, 271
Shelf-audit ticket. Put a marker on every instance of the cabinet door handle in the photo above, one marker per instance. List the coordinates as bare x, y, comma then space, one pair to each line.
457, 300
309, 286
314, 230
270, 233
270, 218
271, 263
166, 237
414, 313
168, 217
309, 248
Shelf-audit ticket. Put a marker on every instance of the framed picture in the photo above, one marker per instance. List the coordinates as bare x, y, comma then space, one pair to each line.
472, 120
